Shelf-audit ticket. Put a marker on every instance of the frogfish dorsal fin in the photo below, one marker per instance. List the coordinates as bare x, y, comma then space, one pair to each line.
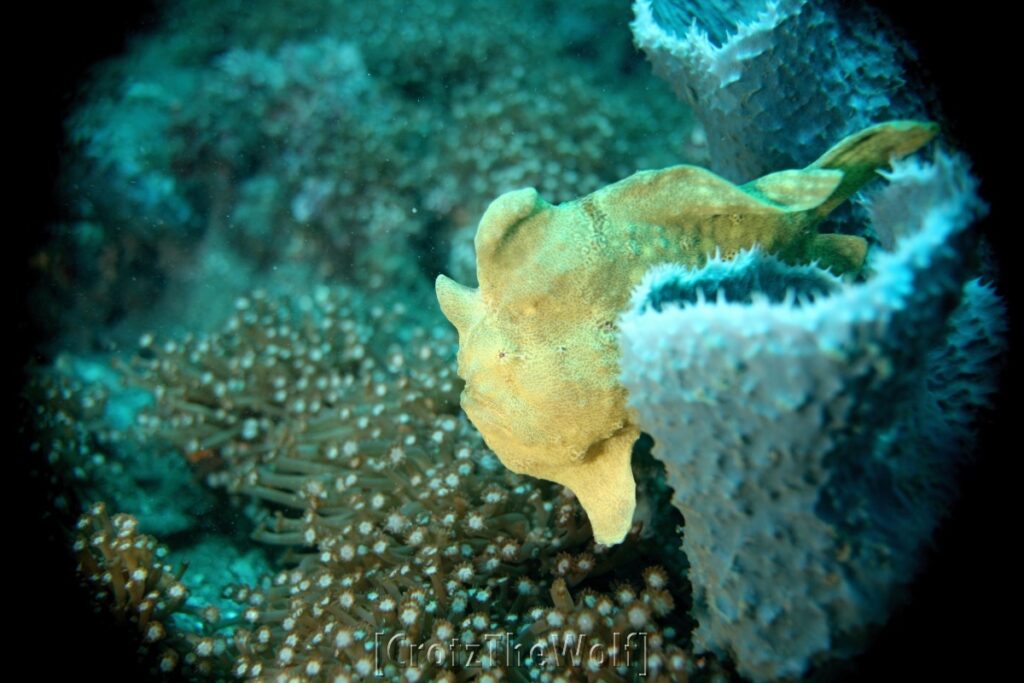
860, 155
796, 190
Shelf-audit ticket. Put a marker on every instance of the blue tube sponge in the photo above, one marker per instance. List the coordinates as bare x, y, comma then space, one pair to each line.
811, 427
773, 81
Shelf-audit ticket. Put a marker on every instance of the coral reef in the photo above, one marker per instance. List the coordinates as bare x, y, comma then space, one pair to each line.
338, 415
331, 142
248, 365
302, 160
84, 414
538, 346
129, 575
268, 384
802, 524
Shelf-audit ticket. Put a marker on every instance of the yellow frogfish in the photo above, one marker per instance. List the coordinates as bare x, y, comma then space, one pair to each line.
538, 346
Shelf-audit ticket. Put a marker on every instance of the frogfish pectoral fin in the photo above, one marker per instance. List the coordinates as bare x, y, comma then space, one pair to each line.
603, 482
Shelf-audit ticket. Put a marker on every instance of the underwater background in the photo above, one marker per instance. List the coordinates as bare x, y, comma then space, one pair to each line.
239, 187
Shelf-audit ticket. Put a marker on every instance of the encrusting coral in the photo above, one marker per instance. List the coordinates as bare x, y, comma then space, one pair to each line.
538, 343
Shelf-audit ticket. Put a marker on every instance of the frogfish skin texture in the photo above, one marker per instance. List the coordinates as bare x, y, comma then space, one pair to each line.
538, 345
